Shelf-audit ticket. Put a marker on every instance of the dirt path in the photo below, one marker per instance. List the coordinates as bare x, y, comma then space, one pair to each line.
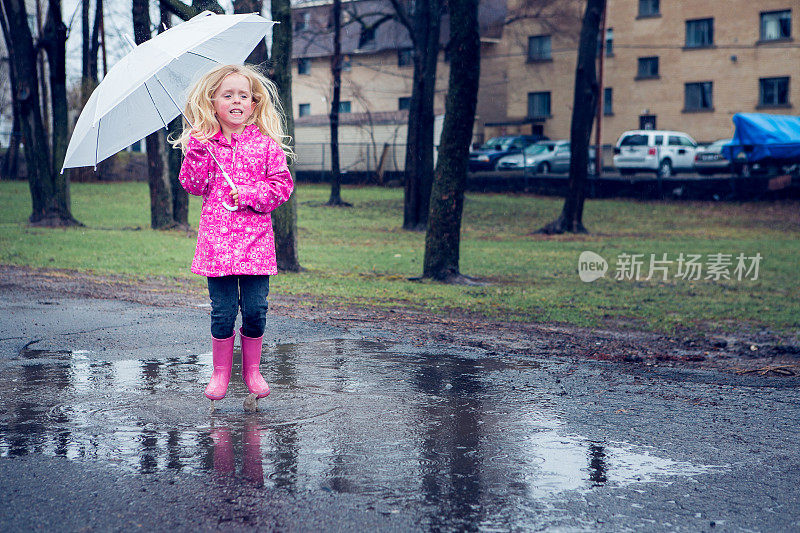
760, 352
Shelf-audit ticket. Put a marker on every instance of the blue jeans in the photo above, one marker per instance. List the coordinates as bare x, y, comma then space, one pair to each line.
228, 294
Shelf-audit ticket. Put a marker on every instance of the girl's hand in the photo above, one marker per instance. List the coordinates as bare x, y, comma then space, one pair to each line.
197, 134
235, 197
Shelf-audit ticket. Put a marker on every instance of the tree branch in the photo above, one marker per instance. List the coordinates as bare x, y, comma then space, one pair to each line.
185, 12
404, 19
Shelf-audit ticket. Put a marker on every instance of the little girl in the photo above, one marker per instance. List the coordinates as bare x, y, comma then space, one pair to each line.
234, 112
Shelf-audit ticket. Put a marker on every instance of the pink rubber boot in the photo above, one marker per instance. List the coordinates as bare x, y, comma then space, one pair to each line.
251, 359
222, 355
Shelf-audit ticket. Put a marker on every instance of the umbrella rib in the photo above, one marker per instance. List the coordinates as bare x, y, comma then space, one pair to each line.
154, 103
201, 55
97, 143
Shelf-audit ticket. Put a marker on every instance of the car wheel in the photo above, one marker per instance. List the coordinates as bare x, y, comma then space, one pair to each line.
665, 169
543, 169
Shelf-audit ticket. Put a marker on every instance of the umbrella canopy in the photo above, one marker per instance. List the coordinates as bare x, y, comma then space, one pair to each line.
148, 87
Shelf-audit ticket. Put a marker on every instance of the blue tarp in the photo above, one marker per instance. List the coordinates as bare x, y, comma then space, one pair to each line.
760, 137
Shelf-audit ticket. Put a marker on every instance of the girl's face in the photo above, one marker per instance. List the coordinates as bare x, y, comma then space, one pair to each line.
233, 103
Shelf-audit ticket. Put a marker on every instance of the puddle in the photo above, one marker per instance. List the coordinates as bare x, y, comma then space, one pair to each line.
344, 416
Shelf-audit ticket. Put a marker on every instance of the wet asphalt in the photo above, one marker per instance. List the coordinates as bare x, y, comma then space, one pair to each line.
104, 427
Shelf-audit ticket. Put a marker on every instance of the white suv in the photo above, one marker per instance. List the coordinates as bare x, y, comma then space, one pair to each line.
659, 151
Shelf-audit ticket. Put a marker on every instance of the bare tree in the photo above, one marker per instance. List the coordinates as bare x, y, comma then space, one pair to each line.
423, 25
161, 213
173, 158
279, 69
284, 219
443, 237
54, 42
90, 47
259, 54
421, 19
9, 167
583, 113
94, 40
49, 190
336, 82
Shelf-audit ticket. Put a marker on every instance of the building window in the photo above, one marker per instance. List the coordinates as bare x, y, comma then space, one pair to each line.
404, 102
698, 96
347, 65
303, 21
366, 37
344, 106
539, 48
610, 42
405, 57
773, 92
304, 110
649, 8
539, 105
304, 66
776, 25
647, 67
608, 101
699, 33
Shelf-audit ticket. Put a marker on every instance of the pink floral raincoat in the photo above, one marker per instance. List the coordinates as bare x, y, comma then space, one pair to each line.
236, 242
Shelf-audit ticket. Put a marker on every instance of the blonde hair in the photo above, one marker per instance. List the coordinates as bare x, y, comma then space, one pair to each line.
267, 110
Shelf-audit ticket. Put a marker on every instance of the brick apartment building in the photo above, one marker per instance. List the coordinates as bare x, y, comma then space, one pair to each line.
689, 65
686, 65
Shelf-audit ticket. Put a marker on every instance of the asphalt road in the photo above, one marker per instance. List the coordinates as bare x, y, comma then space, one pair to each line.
103, 427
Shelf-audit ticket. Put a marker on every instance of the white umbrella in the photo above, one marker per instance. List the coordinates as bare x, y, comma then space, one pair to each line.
148, 87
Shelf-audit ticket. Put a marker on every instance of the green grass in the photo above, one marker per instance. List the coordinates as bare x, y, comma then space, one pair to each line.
360, 256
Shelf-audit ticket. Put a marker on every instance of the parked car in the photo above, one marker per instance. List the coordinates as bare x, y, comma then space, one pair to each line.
764, 144
487, 156
543, 158
659, 151
709, 159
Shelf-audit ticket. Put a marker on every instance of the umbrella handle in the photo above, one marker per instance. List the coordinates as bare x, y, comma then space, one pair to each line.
233, 188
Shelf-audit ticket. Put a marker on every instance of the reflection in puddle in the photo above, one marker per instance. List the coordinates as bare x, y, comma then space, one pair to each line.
443, 432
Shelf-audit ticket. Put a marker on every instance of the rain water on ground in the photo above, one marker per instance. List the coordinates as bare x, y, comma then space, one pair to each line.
470, 438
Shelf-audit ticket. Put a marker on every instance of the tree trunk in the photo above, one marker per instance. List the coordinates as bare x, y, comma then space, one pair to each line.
161, 216
443, 236
50, 207
55, 44
259, 54
86, 85
180, 198
284, 219
336, 77
420, 142
174, 158
10, 165
583, 113
94, 41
